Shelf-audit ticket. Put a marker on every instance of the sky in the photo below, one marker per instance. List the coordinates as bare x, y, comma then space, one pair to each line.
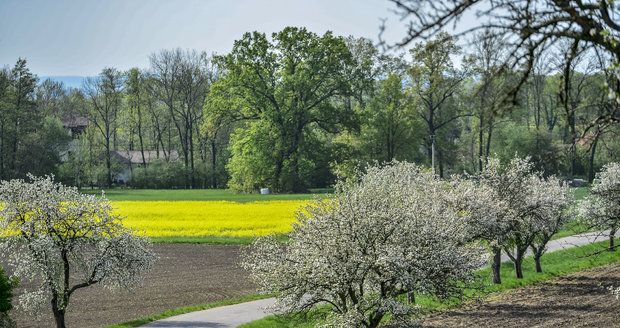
80, 37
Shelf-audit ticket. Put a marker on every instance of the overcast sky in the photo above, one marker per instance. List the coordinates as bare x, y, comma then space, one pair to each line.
80, 37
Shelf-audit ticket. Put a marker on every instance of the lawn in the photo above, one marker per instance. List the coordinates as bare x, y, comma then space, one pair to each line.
196, 194
554, 264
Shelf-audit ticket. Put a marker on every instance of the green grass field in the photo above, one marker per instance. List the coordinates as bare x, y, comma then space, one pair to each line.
196, 194
555, 264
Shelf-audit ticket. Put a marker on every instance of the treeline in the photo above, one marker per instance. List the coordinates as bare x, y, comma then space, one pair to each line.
299, 109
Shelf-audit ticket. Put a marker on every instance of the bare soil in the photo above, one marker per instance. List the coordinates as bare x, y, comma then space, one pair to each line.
184, 275
578, 300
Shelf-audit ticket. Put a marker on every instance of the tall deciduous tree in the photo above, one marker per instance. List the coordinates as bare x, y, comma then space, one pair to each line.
181, 81
435, 83
390, 130
104, 95
285, 87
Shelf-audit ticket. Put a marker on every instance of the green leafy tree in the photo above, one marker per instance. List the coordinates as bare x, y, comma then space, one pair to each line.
289, 84
391, 126
436, 83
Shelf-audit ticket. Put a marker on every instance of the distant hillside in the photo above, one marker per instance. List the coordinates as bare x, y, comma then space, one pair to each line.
68, 81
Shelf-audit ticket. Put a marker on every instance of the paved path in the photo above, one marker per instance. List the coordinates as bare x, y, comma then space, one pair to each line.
235, 315
219, 317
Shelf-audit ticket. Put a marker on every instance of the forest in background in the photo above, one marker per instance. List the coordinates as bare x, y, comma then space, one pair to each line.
296, 110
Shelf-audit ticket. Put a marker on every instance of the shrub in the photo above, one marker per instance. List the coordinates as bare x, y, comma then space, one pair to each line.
6, 295
6, 292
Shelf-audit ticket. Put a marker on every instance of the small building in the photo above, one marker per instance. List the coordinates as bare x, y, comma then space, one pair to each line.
130, 159
75, 126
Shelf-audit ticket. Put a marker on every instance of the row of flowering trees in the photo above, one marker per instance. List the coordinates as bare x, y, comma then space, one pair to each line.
398, 231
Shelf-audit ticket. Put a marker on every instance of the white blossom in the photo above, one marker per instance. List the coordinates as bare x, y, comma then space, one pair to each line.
65, 240
511, 207
602, 207
393, 232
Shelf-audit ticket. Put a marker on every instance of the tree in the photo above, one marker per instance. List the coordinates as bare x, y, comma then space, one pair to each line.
287, 85
64, 240
181, 81
216, 128
485, 214
135, 91
485, 61
104, 94
20, 116
435, 84
512, 185
392, 232
391, 121
553, 212
529, 27
602, 207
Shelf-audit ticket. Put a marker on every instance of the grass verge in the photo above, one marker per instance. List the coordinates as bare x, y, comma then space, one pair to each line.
182, 310
555, 264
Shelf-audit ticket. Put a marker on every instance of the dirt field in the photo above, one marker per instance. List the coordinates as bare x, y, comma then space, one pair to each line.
578, 300
184, 275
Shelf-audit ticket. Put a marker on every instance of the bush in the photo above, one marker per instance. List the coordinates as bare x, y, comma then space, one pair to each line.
159, 174
6, 295
6, 292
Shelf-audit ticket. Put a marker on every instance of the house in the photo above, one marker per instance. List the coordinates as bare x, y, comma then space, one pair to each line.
75, 126
129, 159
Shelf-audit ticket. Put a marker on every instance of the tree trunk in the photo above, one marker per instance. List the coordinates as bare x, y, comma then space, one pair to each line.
497, 265
480, 141
537, 257
518, 262
213, 165
591, 159
489, 135
59, 315
441, 169
410, 298
612, 235
108, 162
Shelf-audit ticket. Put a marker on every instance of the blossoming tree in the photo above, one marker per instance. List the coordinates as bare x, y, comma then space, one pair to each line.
514, 208
64, 241
486, 217
393, 232
602, 208
554, 201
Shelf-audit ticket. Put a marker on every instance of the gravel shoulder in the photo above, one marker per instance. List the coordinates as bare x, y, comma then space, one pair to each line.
184, 275
577, 300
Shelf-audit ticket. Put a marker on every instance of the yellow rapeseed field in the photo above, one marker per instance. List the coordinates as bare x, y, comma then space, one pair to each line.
209, 218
